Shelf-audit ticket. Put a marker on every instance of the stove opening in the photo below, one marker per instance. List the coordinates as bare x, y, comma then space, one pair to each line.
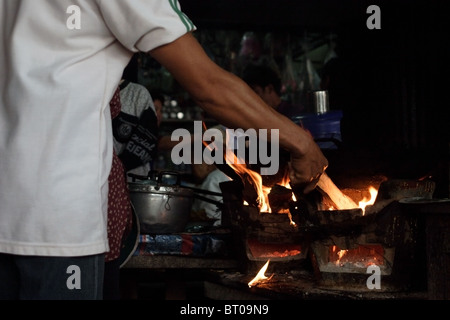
363, 256
274, 251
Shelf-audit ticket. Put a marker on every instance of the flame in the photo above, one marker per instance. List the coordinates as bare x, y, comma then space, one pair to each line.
364, 203
256, 180
340, 254
363, 255
285, 182
239, 166
260, 276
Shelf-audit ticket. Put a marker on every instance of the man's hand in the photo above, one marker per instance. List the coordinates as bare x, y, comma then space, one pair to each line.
305, 169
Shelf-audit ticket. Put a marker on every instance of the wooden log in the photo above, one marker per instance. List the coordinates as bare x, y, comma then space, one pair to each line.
279, 198
341, 201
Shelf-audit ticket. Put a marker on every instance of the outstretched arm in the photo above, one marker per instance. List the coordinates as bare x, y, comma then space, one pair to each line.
233, 103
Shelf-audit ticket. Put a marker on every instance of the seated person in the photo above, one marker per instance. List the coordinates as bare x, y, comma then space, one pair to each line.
136, 128
267, 84
158, 102
209, 178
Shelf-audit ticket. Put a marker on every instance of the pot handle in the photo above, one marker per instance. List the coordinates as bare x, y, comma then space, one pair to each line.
175, 174
137, 177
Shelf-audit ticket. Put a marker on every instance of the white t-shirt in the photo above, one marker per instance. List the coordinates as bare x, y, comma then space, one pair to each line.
61, 61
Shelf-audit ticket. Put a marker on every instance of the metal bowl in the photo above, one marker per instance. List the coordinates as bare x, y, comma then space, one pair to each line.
161, 209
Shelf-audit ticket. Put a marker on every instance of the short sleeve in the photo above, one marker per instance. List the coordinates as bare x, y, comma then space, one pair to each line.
143, 25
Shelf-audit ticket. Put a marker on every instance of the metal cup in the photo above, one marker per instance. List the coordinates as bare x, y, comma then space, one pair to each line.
320, 101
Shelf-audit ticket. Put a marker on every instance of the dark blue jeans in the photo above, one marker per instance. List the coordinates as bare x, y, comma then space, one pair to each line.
51, 278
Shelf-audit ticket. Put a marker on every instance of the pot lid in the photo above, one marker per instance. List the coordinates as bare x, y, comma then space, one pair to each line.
164, 182
175, 190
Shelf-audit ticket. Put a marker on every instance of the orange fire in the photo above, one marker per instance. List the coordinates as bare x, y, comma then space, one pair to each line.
260, 276
239, 166
365, 255
262, 191
364, 203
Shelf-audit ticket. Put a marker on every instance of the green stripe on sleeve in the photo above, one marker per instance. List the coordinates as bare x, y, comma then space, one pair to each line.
183, 17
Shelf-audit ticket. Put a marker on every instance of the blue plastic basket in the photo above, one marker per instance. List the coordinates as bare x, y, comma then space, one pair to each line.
325, 128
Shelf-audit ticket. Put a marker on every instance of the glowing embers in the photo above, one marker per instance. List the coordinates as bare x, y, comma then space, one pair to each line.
362, 256
274, 251
354, 259
269, 236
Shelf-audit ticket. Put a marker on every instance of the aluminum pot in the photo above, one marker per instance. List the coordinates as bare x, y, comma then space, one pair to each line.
161, 208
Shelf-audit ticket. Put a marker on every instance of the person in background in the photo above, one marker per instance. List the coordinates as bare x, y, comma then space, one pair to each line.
158, 102
209, 177
136, 127
54, 197
266, 82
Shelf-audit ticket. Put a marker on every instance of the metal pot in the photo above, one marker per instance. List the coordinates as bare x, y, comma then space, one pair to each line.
161, 207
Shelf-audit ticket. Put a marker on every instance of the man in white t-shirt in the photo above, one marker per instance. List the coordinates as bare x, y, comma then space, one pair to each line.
61, 62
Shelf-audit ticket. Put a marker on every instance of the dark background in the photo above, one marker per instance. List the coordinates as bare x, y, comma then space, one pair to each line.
393, 81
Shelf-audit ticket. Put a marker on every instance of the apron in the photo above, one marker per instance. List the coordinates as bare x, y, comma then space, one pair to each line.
119, 205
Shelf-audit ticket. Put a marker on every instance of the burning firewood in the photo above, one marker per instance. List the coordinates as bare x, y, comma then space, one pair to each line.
249, 192
341, 201
279, 198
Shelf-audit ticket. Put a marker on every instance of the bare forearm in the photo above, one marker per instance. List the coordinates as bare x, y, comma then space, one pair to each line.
223, 95
234, 104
